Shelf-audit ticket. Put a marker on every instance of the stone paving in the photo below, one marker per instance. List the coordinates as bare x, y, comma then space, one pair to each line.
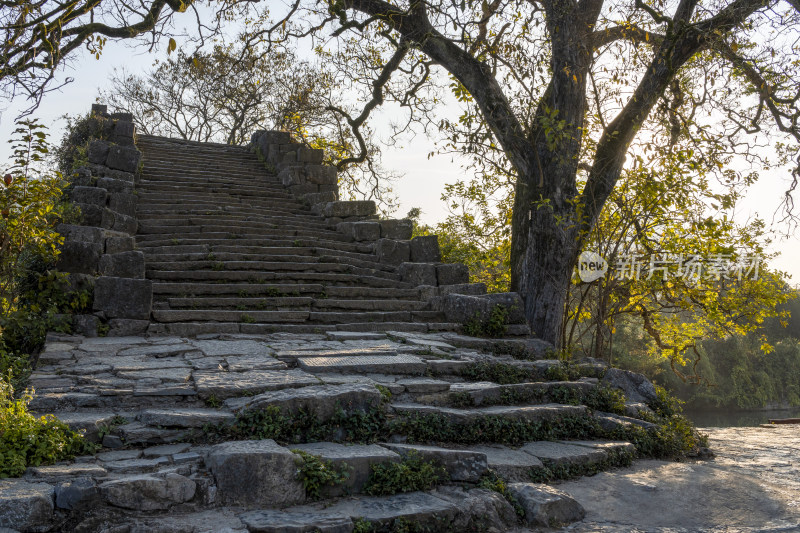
144, 399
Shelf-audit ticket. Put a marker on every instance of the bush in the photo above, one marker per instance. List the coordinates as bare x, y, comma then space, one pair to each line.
26, 440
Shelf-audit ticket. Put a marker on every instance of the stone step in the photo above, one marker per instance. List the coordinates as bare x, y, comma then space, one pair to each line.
487, 393
307, 265
253, 230
459, 417
255, 276
308, 303
276, 289
367, 364
221, 243
172, 219
218, 315
311, 255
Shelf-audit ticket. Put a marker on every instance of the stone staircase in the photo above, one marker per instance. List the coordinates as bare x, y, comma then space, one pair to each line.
294, 380
229, 249
212, 433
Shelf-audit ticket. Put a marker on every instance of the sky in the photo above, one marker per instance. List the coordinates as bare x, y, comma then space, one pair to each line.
423, 179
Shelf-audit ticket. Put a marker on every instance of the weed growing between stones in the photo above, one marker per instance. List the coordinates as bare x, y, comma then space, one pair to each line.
27, 440
502, 373
434, 427
492, 481
411, 474
565, 371
301, 427
556, 472
494, 326
317, 473
108, 427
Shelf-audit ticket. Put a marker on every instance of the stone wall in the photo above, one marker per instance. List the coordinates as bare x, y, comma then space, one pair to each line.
99, 252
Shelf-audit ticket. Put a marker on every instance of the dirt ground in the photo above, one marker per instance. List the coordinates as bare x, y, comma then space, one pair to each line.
752, 485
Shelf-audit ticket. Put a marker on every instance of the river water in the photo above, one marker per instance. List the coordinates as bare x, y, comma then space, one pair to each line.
750, 418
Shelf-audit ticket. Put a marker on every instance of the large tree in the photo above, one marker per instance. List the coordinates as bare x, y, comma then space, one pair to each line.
531, 68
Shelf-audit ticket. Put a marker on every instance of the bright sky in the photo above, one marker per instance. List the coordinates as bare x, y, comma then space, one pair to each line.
423, 181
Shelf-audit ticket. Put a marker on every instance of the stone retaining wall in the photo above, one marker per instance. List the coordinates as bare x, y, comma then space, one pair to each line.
99, 252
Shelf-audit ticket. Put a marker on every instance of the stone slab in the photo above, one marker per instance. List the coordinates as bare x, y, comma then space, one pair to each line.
148, 492
397, 364
461, 465
557, 453
254, 473
358, 459
546, 506
184, 417
269, 521
510, 464
224, 385
26, 506
322, 400
426, 511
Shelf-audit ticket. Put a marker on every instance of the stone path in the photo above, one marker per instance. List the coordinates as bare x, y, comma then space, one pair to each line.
160, 407
752, 485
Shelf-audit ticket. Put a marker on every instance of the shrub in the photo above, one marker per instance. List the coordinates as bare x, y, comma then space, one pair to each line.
26, 440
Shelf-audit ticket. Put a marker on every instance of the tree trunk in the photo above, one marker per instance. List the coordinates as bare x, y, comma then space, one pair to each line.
546, 270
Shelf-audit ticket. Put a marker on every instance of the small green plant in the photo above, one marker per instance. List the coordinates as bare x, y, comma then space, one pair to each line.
218, 266
411, 474
492, 481
296, 243
386, 394
27, 440
363, 526
496, 325
247, 319
175, 241
213, 402
103, 329
317, 473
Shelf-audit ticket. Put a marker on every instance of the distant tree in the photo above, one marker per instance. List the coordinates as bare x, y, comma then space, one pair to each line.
560, 92
228, 93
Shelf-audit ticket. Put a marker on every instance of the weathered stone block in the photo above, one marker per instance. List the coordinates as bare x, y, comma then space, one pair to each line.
350, 209
85, 325
99, 109
82, 177
72, 232
124, 158
321, 174
331, 187
418, 273
255, 473
122, 203
315, 198
322, 400
148, 492
546, 506
123, 298
301, 190
461, 308
91, 215
397, 229
474, 289
115, 185
123, 265
366, 231
358, 459
126, 327
119, 222
121, 116
26, 506
89, 195
292, 175
98, 152
392, 252
461, 465
452, 274
425, 249
637, 387
269, 521
115, 245
123, 130
81, 493
310, 155
80, 257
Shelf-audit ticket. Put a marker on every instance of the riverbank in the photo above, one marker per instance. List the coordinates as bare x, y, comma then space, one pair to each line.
753, 484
